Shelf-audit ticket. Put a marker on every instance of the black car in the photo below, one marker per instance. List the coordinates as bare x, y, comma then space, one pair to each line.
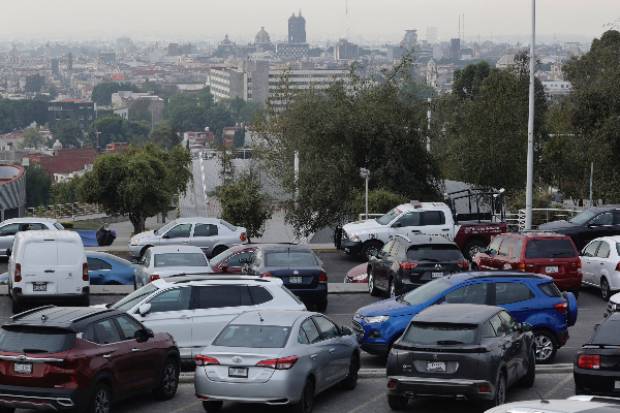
299, 268
597, 366
460, 350
406, 263
591, 223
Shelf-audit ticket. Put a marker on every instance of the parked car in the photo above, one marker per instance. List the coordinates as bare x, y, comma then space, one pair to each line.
600, 264
195, 309
108, 269
297, 266
472, 351
529, 298
168, 261
575, 404
233, 259
210, 234
357, 275
588, 225
46, 266
536, 252
276, 358
82, 359
10, 227
596, 367
406, 263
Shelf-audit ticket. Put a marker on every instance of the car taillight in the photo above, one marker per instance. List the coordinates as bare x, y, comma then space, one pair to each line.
408, 266
243, 237
18, 273
484, 388
521, 266
283, 363
203, 360
391, 384
85, 272
153, 277
562, 307
323, 278
618, 267
463, 264
266, 275
590, 362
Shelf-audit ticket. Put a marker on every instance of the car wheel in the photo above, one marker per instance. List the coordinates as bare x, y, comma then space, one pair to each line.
397, 403
212, 406
169, 380
16, 305
101, 401
350, 382
306, 402
371, 248
372, 288
392, 289
321, 306
605, 290
545, 346
530, 377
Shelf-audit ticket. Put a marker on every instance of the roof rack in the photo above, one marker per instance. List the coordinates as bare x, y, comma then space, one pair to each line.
90, 314
31, 311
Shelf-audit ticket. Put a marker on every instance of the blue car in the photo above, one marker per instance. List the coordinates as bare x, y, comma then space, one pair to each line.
530, 298
108, 269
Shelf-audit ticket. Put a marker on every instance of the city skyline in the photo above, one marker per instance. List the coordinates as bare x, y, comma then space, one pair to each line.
366, 20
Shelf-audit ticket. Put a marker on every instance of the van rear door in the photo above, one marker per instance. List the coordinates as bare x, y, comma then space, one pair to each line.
68, 273
39, 262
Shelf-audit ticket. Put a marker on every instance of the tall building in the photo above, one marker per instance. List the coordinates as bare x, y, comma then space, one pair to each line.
55, 64
297, 29
410, 41
262, 41
455, 49
346, 50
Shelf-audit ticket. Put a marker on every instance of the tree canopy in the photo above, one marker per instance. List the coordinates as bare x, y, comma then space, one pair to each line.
113, 128
38, 185
68, 133
17, 114
164, 136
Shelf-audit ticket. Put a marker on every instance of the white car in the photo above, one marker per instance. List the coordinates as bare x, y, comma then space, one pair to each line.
194, 309
46, 266
600, 265
575, 404
163, 262
10, 227
212, 235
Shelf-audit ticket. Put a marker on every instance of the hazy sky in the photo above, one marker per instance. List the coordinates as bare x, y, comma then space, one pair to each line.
379, 20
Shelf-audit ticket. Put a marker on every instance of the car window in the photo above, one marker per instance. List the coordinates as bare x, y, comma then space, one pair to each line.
515, 251
506, 247
105, 332
437, 252
326, 328
487, 330
174, 299
10, 229
290, 259
433, 218
34, 226
259, 295
311, 331
550, 248
508, 323
180, 231
494, 245
509, 293
177, 259
603, 250
218, 296
58, 226
205, 230
468, 294
253, 336
126, 303
25, 339
607, 334
496, 323
550, 289
606, 218
410, 219
590, 249
426, 292
96, 264
239, 260
440, 333
301, 337
128, 326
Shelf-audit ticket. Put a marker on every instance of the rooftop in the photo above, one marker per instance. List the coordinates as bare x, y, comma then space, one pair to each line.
457, 314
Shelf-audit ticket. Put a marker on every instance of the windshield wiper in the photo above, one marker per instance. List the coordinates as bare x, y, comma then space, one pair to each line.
449, 342
34, 350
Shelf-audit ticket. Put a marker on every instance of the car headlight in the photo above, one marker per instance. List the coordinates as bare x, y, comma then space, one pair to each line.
377, 319
355, 238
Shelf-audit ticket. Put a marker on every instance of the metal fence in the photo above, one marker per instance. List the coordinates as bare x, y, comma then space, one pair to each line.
66, 211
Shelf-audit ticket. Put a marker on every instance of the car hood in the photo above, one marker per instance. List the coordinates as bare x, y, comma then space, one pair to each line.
354, 228
392, 307
143, 237
555, 225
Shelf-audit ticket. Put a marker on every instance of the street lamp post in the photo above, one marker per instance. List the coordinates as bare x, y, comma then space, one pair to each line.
530, 127
365, 174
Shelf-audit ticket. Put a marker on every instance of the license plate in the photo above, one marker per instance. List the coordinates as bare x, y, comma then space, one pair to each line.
295, 280
436, 275
617, 385
39, 287
436, 366
238, 372
551, 269
22, 368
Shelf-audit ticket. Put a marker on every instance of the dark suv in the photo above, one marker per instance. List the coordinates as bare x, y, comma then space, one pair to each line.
461, 350
82, 359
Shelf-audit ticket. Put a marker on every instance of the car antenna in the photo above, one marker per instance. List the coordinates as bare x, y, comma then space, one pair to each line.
542, 398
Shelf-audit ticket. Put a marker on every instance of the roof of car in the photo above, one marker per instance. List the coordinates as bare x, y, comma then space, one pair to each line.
215, 279
465, 276
615, 238
423, 206
457, 313
171, 249
283, 247
193, 220
534, 234
271, 318
605, 208
49, 234
60, 317
575, 404
27, 220
106, 255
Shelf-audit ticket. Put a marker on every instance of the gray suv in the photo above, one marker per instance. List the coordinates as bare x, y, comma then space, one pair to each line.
10, 227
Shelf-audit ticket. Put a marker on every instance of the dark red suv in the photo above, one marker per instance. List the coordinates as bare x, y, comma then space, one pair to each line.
82, 359
539, 252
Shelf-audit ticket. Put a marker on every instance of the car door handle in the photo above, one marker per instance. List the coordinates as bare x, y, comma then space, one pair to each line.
184, 317
135, 350
446, 229
332, 350
313, 356
108, 355
49, 271
602, 263
415, 231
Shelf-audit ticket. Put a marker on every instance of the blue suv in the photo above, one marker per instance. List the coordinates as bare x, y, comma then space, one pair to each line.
530, 298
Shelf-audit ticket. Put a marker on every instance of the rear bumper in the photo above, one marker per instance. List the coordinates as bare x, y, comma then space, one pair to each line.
49, 298
421, 386
601, 382
568, 283
311, 295
38, 398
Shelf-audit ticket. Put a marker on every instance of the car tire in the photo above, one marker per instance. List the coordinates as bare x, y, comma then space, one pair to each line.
398, 403
605, 289
372, 288
16, 305
101, 400
546, 346
168, 381
371, 248
321, 306
306, 402
350, 382
530, 377
212, 406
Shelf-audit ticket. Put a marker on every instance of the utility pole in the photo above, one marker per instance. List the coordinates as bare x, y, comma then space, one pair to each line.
591, 184
365, 174
296, 173
529, 189
428, 126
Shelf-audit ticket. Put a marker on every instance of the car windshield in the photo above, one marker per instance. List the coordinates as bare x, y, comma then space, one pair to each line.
253, 336
607, 334
550, 248
290, 259
165, 228
134, 298
181, 260
18, 339
583, 217
215, 261
426, 292
389, 217
437, 253
440, 333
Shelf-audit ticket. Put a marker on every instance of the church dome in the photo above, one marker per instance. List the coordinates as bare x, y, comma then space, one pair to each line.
262, 37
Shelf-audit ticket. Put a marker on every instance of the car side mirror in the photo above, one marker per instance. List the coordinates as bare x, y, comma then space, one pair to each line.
144, 309
346, 331
8, 252
165, 236
143, 335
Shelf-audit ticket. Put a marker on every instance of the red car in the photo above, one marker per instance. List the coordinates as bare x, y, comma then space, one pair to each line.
82, 359
357, 274
538, 252
233, 259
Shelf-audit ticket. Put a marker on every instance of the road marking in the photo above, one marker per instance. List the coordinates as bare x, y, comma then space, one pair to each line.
558, 386
362, 406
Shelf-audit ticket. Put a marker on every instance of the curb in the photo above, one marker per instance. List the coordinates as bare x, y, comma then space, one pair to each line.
380, 373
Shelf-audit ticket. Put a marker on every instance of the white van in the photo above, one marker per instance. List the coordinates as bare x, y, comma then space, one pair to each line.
47, 266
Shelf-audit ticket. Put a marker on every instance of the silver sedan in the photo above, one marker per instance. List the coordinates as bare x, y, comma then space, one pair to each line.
276, 358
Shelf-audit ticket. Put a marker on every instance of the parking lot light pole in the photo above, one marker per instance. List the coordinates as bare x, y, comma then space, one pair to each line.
530, 127
365, 174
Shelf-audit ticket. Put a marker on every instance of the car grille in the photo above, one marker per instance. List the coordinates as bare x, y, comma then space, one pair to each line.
357, 327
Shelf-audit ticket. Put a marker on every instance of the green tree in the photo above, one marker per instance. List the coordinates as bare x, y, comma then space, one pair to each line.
113, 128
244, 203
379, 201
468, 81
38, 184
164, 136
68, 133
66, 192
141, 182
17, 114
32, 139
102, 93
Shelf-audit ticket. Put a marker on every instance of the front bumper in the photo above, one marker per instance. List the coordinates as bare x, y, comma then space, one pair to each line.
351, 247
39, 398
422, 386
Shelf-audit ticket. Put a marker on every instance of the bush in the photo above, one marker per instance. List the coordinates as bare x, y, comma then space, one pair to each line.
379, 201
